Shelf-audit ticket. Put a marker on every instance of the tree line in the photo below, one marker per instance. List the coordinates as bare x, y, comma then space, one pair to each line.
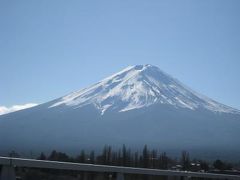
146, 158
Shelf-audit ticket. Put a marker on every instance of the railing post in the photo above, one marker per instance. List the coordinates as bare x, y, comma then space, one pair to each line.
120, 176
7, 173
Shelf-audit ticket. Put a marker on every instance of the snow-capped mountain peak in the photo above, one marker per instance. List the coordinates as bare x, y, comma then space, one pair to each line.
137, 87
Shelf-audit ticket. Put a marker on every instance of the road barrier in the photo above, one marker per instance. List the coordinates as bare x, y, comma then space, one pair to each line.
8, 165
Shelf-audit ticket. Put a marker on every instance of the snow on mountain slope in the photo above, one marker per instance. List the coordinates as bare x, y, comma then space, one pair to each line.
137, 87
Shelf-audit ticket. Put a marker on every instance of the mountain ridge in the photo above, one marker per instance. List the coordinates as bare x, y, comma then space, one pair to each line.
137, 87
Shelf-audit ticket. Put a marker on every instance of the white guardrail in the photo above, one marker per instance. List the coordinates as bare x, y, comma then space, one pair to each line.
8, 173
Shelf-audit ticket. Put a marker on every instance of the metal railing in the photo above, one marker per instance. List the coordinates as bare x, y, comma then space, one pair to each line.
8, 173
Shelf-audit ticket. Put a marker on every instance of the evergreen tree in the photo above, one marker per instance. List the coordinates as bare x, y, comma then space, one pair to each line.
53, 156
82, 157
129, 158
119, 158
92, 157
42, 156
136, 159
124, 155
153, 159
145, 156
104, 155
109, 155
163, 161
185, 160
114, 158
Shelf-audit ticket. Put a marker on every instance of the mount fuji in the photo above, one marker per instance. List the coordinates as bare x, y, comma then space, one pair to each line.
137, 87
138, 105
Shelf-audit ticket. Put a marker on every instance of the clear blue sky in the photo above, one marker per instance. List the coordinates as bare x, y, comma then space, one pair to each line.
49, 48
